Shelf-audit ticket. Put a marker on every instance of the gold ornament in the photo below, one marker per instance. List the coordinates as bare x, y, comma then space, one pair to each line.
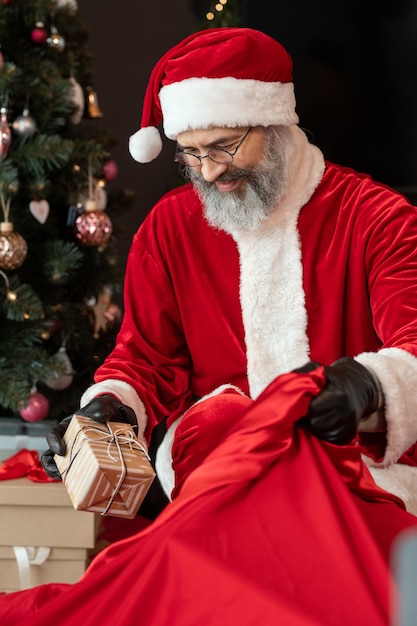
55, 40
93, 108
13, 248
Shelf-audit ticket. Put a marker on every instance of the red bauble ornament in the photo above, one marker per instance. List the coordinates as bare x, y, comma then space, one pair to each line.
39, 34
110, 171
36, 409
93, 227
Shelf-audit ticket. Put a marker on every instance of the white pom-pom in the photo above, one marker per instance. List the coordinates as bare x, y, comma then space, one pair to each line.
146, 144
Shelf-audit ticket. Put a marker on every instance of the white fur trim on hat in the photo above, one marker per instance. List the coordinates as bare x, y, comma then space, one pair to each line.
197, 103
145, 145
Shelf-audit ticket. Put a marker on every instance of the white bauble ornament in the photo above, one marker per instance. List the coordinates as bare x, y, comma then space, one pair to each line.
61, 381
77, 96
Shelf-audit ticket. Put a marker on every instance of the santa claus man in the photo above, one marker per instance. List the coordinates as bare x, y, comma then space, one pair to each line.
270, 259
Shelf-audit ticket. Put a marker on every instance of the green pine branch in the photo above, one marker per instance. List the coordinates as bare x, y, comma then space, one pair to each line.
20, 302
42, 154
61, 260
36, 365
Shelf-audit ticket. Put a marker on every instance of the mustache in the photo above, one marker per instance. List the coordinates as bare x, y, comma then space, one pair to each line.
227, 177
230, 176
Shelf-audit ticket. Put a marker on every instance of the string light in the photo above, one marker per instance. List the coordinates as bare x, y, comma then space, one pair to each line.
5, 205
10, 295
223, 16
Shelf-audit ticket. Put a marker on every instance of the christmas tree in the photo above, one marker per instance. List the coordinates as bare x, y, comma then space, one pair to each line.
59, 213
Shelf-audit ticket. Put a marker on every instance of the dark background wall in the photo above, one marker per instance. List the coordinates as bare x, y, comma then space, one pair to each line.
355, 73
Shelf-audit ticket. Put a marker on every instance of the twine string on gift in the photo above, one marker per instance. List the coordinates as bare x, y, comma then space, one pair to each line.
114, 439
118, 437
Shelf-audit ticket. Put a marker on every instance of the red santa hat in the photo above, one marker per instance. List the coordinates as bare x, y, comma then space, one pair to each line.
218, 77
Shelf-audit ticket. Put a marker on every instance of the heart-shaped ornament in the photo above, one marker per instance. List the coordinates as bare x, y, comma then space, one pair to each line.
39, 210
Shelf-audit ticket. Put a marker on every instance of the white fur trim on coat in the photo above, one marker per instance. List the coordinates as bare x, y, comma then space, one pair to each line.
197, 103
125, 393
401, 480
274, 251
396, 370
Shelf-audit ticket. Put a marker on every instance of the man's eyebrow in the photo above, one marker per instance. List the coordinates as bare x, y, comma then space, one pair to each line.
209, 145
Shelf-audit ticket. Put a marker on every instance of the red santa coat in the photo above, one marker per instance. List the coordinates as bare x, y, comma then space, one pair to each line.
331, 272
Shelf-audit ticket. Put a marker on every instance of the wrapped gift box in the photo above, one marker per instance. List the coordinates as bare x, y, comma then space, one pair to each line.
40, 515
106, 469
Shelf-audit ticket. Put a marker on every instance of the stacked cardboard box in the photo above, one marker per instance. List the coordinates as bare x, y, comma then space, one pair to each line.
41, 515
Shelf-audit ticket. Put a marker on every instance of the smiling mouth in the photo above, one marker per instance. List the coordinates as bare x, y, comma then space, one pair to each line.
229, 185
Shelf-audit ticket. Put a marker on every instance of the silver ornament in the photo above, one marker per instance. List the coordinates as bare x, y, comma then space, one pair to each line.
24, 125
55, 40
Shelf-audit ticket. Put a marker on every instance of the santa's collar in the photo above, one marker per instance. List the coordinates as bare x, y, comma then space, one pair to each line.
271, 276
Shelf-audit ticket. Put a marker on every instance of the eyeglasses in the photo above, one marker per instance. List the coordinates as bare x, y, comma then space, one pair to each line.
218, 155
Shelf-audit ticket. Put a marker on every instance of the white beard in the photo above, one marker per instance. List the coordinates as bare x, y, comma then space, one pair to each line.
264, 187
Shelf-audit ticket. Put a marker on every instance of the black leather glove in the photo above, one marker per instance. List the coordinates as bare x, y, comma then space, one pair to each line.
101, 409
350, 395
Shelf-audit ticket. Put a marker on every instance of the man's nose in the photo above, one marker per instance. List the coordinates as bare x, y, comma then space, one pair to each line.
210, 170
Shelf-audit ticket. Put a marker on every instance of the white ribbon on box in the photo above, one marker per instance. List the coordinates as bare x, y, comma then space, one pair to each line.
26, 556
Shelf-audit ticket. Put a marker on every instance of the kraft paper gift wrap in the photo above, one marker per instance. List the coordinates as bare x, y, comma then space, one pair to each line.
106, 469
